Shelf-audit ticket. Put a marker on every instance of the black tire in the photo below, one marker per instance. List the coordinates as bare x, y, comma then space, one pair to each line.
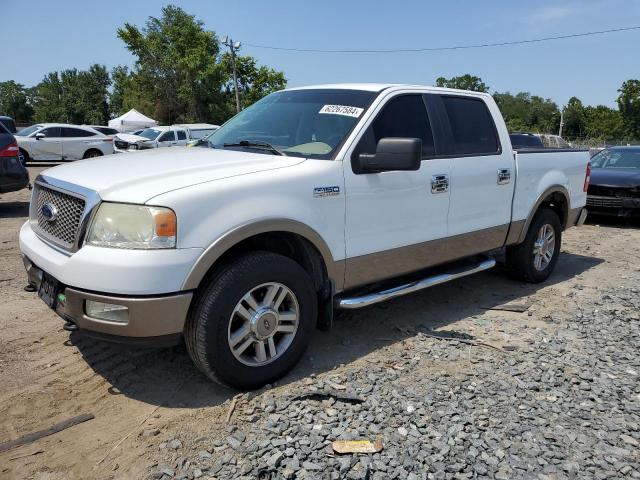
25, 157
207, 329
92, 153
520, 258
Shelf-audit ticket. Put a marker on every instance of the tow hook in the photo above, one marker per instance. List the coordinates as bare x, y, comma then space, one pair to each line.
70, 326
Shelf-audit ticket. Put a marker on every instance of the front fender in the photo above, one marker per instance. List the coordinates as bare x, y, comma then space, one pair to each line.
335, 269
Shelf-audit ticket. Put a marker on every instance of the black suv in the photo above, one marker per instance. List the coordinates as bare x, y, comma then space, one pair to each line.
8, 123
13, 175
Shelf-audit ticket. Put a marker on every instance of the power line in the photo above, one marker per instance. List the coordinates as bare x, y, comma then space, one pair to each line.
455, 47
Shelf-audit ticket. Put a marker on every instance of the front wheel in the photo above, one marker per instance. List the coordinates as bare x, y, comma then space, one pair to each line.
535, 258
252, 320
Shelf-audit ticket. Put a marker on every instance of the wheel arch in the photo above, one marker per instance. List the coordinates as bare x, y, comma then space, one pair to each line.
92, 149
288, 237
556, 198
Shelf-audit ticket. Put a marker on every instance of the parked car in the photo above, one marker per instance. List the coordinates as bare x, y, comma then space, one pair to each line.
59, 141
108, 131
196, 131
521, 141
13, 174
155, 137
553, 141
8, 123
311, 199
615, 182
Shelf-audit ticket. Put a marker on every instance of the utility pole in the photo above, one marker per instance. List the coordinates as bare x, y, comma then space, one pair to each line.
233, 47
561, 122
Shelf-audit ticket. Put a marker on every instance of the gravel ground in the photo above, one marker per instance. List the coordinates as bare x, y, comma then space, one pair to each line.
564, 405
552, 392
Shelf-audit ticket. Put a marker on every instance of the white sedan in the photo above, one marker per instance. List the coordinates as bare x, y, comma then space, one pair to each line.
59, 141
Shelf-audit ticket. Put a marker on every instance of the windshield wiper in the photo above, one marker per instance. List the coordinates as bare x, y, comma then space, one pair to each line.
252, 144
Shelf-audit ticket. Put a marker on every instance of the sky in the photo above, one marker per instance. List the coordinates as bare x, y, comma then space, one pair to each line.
54, 35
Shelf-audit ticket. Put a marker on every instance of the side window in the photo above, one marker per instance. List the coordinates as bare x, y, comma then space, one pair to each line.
181, 135
76, 132
472, 126
166, 137
51, 132
404, 116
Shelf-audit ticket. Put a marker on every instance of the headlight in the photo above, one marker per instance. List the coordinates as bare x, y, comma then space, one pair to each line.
120, 225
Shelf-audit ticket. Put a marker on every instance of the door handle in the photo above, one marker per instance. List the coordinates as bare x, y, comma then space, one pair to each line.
504, 176
439, 183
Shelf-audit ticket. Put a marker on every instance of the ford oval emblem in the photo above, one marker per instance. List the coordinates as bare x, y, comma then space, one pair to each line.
49, 212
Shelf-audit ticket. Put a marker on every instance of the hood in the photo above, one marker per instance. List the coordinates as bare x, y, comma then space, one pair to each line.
137, 177
615, 177
131, 138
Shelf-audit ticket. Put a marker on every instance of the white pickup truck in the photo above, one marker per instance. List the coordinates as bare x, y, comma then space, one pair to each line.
336, 196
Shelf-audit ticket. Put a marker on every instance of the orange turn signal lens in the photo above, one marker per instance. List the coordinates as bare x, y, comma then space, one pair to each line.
166, 223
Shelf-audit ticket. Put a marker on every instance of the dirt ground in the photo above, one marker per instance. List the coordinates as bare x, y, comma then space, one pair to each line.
48, 375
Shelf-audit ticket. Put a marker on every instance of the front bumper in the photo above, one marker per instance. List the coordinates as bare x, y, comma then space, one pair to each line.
152, 320
616, 206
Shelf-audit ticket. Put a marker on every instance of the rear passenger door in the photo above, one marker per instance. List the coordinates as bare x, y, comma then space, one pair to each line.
482, 176
75, 142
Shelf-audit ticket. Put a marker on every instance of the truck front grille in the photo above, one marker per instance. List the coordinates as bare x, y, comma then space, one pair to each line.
608, 202
61, 227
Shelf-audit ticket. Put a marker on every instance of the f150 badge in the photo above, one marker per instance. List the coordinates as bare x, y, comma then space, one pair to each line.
326, 191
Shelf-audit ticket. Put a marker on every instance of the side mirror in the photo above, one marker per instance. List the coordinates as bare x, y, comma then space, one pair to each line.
39, 136
392, 154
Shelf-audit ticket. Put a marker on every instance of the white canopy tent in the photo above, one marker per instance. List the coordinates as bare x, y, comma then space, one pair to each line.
132, 120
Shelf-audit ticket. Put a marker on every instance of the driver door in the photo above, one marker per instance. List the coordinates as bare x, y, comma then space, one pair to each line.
394, 220
167, 139
48, 148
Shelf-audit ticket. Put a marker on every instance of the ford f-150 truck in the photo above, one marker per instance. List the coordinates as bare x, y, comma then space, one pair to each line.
312, 199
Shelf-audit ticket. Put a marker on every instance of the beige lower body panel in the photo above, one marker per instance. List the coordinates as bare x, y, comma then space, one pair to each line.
378, 266
148, 316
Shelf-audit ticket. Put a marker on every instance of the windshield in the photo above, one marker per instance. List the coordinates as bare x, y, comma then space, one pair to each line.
150, 133
25, 132
301, 123
617, 159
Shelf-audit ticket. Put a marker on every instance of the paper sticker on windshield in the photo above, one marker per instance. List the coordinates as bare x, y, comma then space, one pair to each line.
342, 110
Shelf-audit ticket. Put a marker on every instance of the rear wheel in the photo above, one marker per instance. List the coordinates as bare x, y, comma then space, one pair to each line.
535, 258
252, 320
92, 153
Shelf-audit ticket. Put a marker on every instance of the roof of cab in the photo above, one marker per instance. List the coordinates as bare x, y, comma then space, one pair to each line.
378, 87
370, 87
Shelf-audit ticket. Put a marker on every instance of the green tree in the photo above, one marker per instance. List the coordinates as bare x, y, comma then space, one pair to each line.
15, 101
603, 123
574, 119
176, 69
524, 112
180, 74
463, 82
254, 81
73, 96
629, 105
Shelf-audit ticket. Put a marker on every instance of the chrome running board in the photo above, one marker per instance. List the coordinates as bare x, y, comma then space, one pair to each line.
377, 297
